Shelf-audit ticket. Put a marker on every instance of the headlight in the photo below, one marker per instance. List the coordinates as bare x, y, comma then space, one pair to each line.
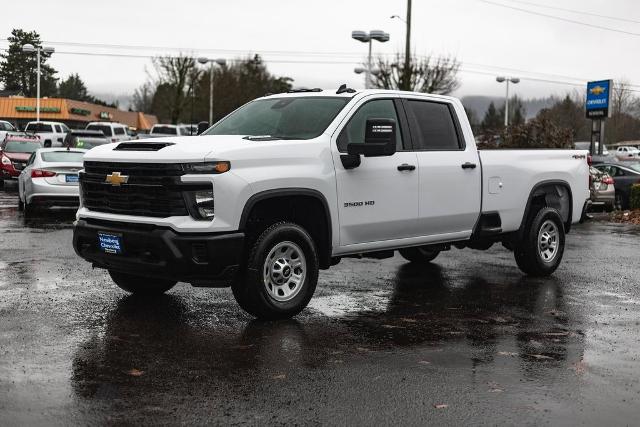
5, 160
207, 167
201, 205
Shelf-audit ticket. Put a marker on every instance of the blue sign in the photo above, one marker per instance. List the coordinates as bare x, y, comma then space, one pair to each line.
598, 98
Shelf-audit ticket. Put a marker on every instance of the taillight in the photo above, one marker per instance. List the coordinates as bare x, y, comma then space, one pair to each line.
114, 139
589, 159
608, 180
41, 173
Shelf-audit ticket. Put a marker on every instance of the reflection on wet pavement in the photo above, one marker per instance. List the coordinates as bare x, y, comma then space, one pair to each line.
383, 342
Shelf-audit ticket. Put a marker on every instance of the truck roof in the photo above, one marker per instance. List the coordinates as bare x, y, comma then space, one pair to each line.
361, 93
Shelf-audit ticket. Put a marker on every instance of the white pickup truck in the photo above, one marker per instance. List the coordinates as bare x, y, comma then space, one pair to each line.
289, 184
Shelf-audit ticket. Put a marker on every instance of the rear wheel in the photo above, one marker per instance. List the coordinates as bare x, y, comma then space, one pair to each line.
419, 254
620, 203
20, 203
280, 274
139, 285
541, 249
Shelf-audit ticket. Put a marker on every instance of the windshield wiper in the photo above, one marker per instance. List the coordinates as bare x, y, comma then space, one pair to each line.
267, 137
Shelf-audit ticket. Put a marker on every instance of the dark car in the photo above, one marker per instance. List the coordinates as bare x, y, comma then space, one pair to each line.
624, 177
85, 139
15, 150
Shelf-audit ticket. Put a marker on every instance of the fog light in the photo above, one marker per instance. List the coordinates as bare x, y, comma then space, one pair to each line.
204, 203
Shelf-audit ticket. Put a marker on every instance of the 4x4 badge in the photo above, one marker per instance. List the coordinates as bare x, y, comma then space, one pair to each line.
116, 179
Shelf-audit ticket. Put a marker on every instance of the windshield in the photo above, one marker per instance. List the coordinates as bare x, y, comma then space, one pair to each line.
38, 127
106, 130
21, 146
635, 167
62, 156
166, 130
281, 118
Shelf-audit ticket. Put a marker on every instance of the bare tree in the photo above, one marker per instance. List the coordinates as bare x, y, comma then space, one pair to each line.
430, 75
176, 75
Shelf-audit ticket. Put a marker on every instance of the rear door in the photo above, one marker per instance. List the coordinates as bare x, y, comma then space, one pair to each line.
377, 200
450, 171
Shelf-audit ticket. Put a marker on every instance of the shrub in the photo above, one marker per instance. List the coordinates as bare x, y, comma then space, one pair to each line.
536, 133
634, 199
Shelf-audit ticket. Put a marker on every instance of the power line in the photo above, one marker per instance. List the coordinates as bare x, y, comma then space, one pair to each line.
581, 12
573, 21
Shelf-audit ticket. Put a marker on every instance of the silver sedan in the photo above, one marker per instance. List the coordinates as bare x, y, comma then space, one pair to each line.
50, 179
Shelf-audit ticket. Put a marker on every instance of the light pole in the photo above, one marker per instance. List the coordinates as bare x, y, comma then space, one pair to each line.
29, 48
405, 81
220, 61
514, 80
364, 37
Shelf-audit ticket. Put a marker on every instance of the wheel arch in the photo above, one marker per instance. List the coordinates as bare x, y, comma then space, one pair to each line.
553, 193
299, 199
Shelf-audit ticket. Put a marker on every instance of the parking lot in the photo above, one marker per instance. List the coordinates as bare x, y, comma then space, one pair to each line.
465, 340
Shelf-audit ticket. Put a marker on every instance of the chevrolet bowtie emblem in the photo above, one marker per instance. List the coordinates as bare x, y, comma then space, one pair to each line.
597, 90
116, 179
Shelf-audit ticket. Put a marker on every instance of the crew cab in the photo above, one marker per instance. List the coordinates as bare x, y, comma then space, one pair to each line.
162, 130
52, 134
290, 184
115, 132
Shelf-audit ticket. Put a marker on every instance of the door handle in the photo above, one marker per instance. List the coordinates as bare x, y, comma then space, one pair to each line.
406, 167
468, 165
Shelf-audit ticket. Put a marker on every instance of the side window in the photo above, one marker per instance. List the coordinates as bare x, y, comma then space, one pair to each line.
58, 129
31, 159
353, 132
432, 126
65, 128
118, 130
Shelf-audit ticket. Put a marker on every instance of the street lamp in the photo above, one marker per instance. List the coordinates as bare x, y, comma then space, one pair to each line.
220, 61
29, 48
514, 80
364, 37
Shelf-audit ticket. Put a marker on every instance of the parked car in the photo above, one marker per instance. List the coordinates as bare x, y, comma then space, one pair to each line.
304, 179
50, 179
51, 133
602, 189
161, 130
605, 157
624, 176
14, 153
4, 128
86, 139
628, 154
116, 132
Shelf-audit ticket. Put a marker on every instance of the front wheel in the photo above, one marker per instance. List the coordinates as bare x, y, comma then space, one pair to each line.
541, 249
280, 275
139, 285
419, 254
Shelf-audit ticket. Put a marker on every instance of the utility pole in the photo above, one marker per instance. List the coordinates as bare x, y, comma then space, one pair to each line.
406, 79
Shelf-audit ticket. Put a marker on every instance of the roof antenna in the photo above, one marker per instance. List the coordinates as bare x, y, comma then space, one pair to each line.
343, 88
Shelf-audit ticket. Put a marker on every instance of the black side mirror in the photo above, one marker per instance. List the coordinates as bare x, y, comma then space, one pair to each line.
379, 139
202, 126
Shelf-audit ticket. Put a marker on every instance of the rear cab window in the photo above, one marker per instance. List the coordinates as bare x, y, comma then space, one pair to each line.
433, 126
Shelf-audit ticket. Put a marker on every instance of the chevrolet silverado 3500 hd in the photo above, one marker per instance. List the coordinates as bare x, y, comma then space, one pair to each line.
289, 184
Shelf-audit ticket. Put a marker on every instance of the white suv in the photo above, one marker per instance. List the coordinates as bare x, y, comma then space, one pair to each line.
52, 134
115, 132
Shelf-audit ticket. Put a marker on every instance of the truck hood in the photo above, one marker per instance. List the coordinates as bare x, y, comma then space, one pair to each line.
185, 149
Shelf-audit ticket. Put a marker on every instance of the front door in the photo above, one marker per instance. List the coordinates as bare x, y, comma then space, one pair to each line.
377, 200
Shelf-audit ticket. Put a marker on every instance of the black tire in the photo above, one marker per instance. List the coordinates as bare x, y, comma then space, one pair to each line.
20, 203
535, 256
279, 255
419, 254
139, 285
609, 207
29, 209
1, 182
622, 201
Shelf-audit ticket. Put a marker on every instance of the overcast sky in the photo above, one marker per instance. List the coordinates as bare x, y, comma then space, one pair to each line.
479, 34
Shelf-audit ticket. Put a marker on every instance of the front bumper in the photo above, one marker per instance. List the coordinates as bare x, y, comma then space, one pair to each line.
197, 258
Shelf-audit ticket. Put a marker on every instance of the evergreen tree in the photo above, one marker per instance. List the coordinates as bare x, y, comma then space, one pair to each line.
493, 120
74, 88
18, 68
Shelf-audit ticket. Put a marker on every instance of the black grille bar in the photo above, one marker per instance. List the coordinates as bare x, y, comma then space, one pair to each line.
152, 189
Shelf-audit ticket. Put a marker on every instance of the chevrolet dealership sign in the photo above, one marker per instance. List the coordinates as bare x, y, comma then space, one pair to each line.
598, 98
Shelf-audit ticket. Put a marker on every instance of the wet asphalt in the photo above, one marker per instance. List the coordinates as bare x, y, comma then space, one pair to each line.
465, 340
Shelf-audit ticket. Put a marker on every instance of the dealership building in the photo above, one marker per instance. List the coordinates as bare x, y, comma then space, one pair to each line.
75, 114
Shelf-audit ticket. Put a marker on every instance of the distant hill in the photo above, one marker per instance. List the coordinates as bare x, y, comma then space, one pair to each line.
479, 104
